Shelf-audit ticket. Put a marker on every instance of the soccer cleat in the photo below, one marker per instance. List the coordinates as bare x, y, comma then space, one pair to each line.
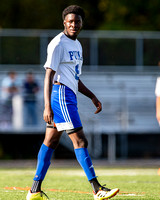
36, 196
105, 193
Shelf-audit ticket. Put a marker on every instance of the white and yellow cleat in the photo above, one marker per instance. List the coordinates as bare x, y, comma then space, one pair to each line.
105, 194
36, 196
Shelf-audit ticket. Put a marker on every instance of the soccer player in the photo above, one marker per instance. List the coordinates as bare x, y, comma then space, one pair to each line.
157, 92
61, 84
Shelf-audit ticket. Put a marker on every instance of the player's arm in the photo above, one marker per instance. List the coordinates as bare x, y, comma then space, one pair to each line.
157, 93
48, 81
85, 91
158, 109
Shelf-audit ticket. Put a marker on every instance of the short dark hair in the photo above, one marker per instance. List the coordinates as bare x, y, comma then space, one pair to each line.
73, 9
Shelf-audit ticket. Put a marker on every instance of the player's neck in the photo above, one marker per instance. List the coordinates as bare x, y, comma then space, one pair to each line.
70, 37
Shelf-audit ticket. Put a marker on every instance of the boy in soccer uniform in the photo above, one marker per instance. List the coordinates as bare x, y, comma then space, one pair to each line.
61, 84
157, 93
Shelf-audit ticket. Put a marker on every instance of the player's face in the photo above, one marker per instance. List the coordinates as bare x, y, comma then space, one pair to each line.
72, 25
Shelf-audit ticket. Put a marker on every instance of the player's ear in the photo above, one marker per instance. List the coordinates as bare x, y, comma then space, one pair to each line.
64, 23
82, 24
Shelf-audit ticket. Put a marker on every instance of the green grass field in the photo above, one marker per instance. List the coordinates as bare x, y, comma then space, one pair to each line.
71, 184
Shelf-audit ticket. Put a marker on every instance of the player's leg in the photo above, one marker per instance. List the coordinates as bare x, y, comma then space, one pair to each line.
80, 144
50, 143
52, 137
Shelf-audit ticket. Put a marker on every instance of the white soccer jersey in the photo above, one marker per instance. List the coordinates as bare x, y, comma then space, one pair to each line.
64, 56
157, 90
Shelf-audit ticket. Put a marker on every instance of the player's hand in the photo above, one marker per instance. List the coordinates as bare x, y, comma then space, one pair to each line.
158, 117
48, 115
97, 103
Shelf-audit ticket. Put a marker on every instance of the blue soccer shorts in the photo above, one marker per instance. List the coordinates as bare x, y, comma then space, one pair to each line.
65, 110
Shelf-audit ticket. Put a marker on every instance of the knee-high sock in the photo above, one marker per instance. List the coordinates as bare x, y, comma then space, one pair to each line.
84, 160
44, 161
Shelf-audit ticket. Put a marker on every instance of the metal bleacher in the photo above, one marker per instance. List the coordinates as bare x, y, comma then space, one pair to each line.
128, 103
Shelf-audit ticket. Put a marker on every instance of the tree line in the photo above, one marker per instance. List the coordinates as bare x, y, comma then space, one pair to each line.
100, 14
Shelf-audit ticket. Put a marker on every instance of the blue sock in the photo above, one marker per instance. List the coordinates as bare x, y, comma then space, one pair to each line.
44, 161
84, 160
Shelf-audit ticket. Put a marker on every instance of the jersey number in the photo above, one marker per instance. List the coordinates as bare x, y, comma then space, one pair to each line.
77, 72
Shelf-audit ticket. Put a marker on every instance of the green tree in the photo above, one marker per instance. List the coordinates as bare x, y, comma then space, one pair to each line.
100, 14
129, 15
44, 14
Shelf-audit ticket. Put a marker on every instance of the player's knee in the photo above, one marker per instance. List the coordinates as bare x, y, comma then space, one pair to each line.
82, 143
51, 142
54, 144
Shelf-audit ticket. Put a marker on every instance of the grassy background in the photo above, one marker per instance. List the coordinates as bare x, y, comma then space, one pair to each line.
71, 183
